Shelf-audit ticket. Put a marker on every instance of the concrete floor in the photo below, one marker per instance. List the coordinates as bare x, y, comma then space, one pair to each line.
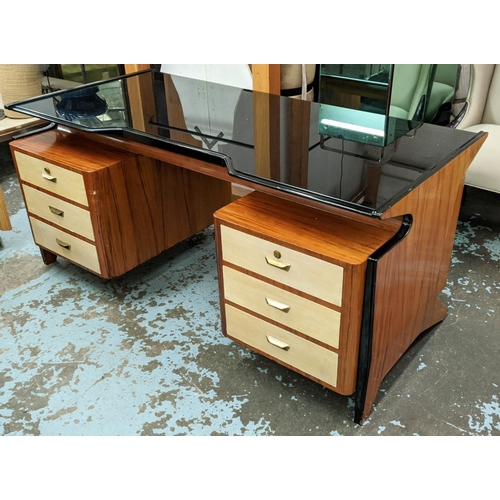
144, 355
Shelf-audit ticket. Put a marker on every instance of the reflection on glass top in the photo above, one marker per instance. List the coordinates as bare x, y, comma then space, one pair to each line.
377, 104
262, 138
375, 73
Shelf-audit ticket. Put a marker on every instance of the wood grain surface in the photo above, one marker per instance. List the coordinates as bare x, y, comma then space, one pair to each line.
5, 224
139, 206
412, 275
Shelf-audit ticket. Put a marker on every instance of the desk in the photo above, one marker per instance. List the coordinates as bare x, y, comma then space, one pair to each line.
371, 240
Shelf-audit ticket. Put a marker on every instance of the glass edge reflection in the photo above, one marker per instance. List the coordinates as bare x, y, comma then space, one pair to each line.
17, 105
305, 194
404, 191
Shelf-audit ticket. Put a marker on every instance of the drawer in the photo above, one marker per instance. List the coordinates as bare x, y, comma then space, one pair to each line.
58, 180
289, 309
295, 269
59, 212
295, 351
53, 239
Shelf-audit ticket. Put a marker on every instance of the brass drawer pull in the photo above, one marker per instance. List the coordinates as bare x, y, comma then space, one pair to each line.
63, 244
56, 211
47, 176
277, 305
277, 343
276, 263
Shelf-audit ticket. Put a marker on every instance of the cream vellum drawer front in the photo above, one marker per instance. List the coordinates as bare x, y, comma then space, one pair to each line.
57, 180
59, 212
286, 308
65, 245
305, 356
303, 272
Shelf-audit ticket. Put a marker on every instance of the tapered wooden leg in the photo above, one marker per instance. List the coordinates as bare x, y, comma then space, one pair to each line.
5, 224
48, 257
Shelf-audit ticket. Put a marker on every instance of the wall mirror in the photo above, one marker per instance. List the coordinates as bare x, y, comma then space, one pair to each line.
376, 104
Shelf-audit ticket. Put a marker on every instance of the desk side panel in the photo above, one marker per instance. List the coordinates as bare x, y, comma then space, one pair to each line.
143, 207
410, 277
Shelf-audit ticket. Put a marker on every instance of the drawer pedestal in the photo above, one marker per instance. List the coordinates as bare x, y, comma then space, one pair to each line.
106, 209
292, 282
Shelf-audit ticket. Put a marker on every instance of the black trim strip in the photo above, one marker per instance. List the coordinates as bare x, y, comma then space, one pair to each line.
160, 98
366, 336
197, 153
223, 160
39, 130
303, 193
296, 91
14, 105
200, 134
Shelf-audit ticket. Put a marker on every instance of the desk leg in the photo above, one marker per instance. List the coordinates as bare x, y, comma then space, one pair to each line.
48, 257
364, 397
5, 224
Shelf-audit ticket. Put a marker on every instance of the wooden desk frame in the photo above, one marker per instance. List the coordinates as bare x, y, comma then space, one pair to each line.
404, 278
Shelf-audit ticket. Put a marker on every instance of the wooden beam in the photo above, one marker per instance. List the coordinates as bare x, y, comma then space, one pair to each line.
5, 224
266, 119
267, 88
298, 145
141, 104
267, 78
132, 68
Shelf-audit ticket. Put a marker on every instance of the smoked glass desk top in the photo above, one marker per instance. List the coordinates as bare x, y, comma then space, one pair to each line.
260, 138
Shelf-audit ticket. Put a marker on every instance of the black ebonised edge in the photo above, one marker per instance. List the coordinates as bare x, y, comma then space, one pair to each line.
15, 106
304, 193
35, 131
438, 166
366, 335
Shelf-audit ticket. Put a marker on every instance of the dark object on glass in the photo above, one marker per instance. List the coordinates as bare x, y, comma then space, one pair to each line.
84, 103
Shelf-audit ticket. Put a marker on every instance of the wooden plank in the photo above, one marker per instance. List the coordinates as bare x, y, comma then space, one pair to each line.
266, 113
267, 136
5, 224
140, 94
298, 144
266, 78
133, 68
